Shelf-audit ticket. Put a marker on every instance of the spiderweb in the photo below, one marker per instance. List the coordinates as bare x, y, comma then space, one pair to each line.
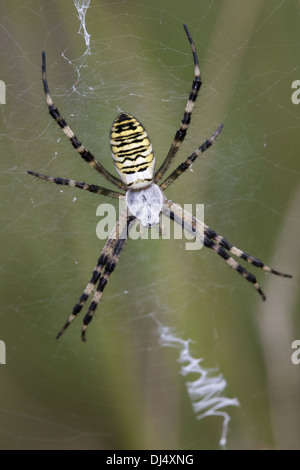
179, 355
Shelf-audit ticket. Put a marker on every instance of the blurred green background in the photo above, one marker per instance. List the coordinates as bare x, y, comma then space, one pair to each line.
123, 389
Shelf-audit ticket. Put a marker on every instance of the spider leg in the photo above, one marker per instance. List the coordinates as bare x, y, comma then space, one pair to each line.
181, 132
215, 242
209, 243
84, 153
110, 265
76, 184
109, 268
222, 242
89, 288
185, 165
118, 236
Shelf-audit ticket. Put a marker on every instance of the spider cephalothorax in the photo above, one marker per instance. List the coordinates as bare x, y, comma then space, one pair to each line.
135, 162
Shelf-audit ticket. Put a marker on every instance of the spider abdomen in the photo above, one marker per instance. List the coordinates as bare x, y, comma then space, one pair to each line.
132, 151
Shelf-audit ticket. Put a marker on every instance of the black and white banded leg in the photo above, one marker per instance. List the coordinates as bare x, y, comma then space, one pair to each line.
92, 188
217, 243
181, 132
83, 152
106, 263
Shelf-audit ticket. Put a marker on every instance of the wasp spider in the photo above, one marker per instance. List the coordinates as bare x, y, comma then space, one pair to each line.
144, 192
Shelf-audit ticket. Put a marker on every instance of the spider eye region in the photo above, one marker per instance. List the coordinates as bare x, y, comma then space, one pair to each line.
132, 151
145, 204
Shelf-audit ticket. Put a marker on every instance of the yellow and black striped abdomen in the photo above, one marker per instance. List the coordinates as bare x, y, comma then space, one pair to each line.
132, 152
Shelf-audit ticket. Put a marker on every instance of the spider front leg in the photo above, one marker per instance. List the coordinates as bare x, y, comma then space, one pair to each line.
222, 242
217, 243
185, 165
105, 266
109, 268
